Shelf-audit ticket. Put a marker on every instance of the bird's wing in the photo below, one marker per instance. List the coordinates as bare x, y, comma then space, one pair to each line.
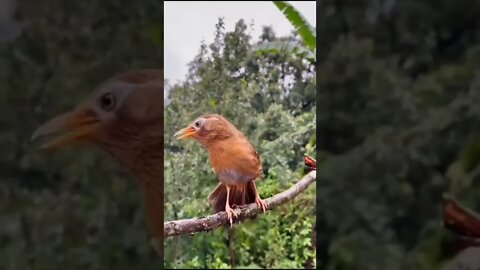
238, 163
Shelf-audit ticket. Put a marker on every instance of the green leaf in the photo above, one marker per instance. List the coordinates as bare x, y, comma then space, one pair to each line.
283, 46
301, 25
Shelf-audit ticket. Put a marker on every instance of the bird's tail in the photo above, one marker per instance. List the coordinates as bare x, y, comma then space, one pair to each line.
239, 195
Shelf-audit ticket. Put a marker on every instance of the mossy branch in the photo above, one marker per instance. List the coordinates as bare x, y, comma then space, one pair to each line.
212, 222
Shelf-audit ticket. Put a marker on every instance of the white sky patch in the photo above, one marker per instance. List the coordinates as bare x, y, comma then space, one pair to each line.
187, 23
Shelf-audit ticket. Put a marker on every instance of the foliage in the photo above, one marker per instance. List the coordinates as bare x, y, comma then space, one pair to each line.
398, 128
271, 99
75, 208
301, 25
305, 47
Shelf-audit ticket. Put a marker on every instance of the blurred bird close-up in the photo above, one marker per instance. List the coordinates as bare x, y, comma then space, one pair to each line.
234, 161
123, 116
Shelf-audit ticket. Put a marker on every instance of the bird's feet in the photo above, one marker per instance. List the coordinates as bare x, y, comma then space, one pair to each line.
261, 203
230, 214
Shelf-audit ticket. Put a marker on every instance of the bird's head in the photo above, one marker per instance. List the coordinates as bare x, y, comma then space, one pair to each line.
207, 129
117, 111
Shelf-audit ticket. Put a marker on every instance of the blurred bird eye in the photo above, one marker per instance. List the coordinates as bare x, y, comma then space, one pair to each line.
198, 124
107, 101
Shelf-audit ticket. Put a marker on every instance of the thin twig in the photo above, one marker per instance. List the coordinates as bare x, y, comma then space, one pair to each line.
192, 225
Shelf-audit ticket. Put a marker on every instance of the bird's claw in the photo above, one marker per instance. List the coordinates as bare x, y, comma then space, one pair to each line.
261, 203
230, 213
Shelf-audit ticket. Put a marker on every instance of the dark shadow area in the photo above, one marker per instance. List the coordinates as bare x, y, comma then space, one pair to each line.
75, 208
399, 119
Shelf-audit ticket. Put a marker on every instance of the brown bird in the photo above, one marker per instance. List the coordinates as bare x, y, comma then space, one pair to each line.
124, 117
234, 160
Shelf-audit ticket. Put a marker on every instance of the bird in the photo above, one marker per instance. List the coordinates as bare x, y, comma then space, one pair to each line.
234, 160
124, 117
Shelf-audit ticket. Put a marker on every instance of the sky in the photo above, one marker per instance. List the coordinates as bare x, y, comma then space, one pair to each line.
186, 24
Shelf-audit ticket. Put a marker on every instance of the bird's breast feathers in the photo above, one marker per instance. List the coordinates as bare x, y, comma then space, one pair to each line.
235, 162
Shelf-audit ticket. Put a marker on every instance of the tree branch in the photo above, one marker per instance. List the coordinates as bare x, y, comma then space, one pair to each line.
208, 223
466, 260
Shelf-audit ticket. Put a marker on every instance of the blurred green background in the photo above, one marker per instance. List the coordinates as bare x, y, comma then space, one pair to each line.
399, 127
75, 209
271, 99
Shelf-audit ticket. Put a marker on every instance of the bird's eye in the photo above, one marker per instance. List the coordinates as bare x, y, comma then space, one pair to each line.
108, 101
198, 124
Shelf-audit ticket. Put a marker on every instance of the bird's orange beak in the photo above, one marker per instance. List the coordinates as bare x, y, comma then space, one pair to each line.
185, 133
77, 125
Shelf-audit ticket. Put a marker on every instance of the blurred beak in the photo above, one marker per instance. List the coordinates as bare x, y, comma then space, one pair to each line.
185, 133
76, 126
